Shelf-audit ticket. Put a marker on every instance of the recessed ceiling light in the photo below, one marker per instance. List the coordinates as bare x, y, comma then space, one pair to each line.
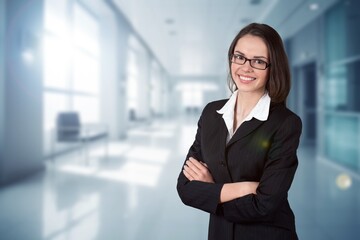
313, 6
169, 21
245, 20
172, 33
255, 2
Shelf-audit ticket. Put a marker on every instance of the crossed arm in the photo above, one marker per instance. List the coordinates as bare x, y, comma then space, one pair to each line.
196, 170
237, 202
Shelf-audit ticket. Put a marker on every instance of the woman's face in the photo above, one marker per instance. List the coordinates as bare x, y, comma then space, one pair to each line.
247, 78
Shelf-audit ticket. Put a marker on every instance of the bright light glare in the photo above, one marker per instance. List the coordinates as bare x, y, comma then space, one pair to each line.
143, 166
343, 181
145, 174
149, 154
132, 172
79, 170
161, 133
61, 216
56, 61
118, 149
200, 86
314, 6
28, 56
187, 138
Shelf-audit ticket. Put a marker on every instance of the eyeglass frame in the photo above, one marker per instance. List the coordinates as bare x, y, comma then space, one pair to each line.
248, 59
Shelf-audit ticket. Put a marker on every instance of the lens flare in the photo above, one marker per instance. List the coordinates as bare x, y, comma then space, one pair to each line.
343, 181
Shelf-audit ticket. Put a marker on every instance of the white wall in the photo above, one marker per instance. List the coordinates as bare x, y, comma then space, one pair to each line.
208, 95
144, 86
109, 75
115, 31
115, 34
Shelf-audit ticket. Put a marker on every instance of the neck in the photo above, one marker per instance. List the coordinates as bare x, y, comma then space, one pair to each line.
246, 101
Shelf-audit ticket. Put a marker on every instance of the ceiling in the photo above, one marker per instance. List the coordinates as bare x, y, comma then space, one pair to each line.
191, 37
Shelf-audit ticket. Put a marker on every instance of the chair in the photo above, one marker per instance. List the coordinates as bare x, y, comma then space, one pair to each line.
70, 130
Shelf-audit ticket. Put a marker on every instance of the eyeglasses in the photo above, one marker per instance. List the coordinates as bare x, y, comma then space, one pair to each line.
255, 63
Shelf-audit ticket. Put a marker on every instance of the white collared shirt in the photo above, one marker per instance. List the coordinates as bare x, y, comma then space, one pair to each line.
260, 112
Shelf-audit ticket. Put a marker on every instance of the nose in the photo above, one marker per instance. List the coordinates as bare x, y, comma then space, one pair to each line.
246, 67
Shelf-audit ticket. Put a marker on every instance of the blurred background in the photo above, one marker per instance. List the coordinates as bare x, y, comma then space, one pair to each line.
99, 101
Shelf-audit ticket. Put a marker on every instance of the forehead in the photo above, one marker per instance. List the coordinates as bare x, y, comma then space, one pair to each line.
251, 46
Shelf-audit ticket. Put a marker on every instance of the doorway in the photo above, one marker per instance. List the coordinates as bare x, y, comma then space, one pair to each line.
308, 102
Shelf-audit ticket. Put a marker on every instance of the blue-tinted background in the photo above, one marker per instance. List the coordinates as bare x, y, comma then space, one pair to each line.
141, 71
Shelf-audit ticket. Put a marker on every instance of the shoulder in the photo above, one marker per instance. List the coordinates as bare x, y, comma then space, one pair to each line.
280, 110
215, 105
210, 110
280, 115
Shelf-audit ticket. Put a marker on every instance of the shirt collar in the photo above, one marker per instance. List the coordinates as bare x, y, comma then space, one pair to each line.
229, 105
260, 111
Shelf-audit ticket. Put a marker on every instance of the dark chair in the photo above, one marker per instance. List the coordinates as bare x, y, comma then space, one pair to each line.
70, 130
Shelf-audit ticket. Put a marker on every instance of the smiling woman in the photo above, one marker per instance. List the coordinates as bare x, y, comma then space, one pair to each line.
243, 160
250, 77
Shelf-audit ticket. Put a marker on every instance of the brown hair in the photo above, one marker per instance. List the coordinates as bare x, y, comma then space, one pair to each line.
278, 84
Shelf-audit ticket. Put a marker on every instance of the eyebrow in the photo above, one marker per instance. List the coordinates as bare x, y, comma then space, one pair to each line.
254, 56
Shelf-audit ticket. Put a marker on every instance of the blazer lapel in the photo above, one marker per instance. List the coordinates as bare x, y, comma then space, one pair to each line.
221, 150
223, 132
245, 129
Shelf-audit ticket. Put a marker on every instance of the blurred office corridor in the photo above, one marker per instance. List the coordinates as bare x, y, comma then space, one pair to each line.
131, 194
99, 101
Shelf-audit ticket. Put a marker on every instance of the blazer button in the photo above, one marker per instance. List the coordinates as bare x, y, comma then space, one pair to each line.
222, 163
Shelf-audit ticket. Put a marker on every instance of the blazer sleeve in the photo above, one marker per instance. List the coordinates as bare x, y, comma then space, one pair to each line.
197, 194
276, 180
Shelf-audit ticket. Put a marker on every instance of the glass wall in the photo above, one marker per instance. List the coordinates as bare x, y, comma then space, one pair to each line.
156, 90
145, 83
133, 81
341, 100
71, 63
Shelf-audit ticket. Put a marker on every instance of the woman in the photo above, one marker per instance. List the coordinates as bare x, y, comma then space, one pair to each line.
243, 160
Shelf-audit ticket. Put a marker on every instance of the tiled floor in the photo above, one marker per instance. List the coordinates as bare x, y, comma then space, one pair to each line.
131, 194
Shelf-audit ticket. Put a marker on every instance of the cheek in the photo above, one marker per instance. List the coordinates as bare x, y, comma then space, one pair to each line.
233, 71
265, 76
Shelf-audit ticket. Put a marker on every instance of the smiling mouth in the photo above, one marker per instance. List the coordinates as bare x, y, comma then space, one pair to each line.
243, 78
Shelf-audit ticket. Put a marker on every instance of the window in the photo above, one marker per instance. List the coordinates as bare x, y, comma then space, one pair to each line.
132, 81
156, 86
192, 98
342, 146
340, 120
137, 79
71, 62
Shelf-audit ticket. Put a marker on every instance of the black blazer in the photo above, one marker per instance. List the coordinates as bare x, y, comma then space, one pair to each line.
263, 151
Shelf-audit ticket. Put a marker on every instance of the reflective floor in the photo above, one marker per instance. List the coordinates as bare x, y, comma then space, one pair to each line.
130, 194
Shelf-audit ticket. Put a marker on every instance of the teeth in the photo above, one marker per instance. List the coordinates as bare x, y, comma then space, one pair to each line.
246, 78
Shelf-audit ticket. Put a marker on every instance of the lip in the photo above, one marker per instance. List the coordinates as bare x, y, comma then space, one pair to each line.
244, 78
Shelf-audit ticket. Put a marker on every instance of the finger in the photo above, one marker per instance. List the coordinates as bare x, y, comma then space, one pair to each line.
190, 171
204, 164
193, 167
187, 175
191, 158
198, 169
197, 164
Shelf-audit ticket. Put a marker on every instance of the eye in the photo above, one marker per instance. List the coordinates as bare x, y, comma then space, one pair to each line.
259, 62
239, 57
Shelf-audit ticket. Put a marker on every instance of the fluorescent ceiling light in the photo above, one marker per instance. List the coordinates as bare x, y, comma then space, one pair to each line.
313, 6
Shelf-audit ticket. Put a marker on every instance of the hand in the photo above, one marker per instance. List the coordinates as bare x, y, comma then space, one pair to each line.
231, 191
196, 170
249, 187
